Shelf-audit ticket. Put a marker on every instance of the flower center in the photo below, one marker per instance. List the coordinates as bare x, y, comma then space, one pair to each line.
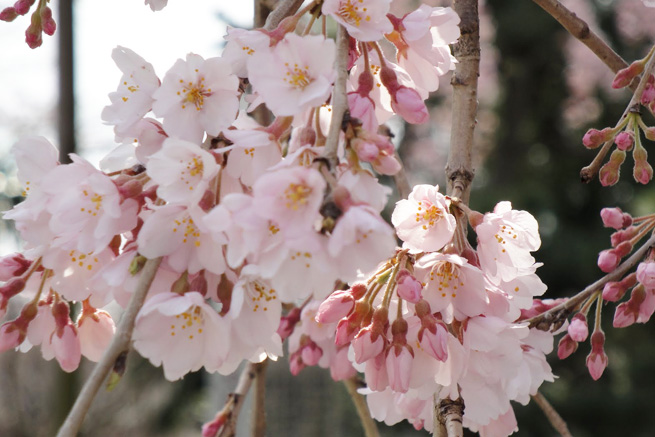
297, 195
190, 231
194, 94
189, 322
96, 203
82, 260
428, 214
351, 14
260, 296
298, 77
447, 276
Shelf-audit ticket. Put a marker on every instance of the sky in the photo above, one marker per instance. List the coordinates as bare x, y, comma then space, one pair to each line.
28, 78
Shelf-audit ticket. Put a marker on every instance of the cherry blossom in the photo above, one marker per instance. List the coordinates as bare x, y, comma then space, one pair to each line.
197, 95
365, 20
299, 74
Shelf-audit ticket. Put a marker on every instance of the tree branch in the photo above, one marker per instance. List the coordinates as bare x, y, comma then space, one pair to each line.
553, 416
370, 428
259, 408
120, 344
448, 417
556, 315
459, 169
580, 29
339, 98
236, 398
284, 9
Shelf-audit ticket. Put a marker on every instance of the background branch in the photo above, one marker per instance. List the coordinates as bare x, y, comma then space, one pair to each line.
259, 409
284, 9
120, 344
236, 398
370, 428
553, 416
580, 29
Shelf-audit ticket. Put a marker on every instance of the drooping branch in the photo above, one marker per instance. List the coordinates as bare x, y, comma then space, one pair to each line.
579, 29
589, 172
370, 428
236, 398
556, 315
259, 392
339, 98
552, 415
284, 9
120, 345
459, 169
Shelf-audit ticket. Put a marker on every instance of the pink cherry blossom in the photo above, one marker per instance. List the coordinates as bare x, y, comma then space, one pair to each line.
133, 98
505, 239
399, 364
13, 265
254, 152
182, 170
290, 197
241, 45
95, 330
452, 286
86, 208
365, 20
646, 274
67, 348
422, 221
197, 95
182, 333
299, 73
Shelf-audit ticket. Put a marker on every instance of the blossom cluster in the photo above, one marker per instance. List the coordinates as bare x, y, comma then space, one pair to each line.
252, 218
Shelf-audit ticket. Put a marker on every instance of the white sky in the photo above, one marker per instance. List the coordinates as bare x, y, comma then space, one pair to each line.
28, 78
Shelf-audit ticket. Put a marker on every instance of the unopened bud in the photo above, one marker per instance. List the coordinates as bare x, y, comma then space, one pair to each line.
626, 75
609, 173
608, 260
23, 6
648, 95
8, 14
597, 360
578, 329
594, 137
624, 140
566, 347
49, 25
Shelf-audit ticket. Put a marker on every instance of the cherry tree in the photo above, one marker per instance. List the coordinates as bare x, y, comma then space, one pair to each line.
241, 215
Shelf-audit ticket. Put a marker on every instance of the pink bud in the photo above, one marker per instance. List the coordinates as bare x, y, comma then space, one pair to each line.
609, 173
67, 348
566, 347
366, 151
13, 265
296, 364
311, 353
288, 323
624, 76
608, 261
12, 287
365, 347
613, 291
642, 172
646, 274
624, 140
33, 37
625, 315
211, 429
648, 95
375, 372
594, 137
625, 235
409, 288
612, 217
8, 14
597, 360
649, 133
410, 106
340, 366
399, 366
647, 307
23, 6
578, 328
386, 165
49, 25
363, 109
435, 341
337, 306
10, 336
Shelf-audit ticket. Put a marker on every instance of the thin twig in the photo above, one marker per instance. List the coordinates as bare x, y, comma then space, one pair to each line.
558, 313
339, 99
284, 9
120, 344
401, 180
370, 428
553, 416
588, 172
236, 398
259, 397
448, 417
459, 169
580, 29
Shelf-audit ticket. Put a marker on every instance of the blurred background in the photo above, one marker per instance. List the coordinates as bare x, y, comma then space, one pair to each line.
540, 90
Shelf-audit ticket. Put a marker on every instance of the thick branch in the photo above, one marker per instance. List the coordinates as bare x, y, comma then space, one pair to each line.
553, 416
459, 169
119, 345
236, 398
339, 98
556, 315
370, 429
580, 30
284, 9
259, 410
448, 417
